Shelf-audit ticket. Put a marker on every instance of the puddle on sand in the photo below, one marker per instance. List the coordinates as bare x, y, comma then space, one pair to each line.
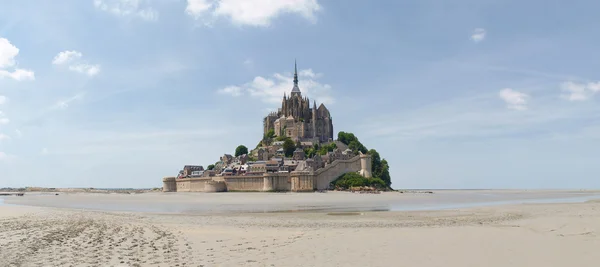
329, 210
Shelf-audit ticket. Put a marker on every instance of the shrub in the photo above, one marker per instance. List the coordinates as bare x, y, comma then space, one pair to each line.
353, 179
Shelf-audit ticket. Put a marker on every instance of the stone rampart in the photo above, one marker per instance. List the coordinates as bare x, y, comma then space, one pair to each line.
244, 183
326, 175
215, 186
169, 184
300, 181
192, 184
276, 182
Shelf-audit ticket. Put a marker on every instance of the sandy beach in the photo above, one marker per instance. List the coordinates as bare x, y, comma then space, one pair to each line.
549, 234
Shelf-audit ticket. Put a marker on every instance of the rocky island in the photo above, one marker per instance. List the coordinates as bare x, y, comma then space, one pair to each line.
297, 153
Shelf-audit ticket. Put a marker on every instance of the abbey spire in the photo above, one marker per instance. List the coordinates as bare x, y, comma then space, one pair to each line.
296, 89
295, 73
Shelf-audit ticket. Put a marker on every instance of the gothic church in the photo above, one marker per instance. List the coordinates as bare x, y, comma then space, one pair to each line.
297, 120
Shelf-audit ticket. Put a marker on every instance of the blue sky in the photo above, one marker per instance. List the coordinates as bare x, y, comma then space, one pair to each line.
454, 94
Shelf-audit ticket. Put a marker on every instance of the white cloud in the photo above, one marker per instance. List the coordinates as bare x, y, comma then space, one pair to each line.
8, 52
478, 35
19, 133
66, 57
4, 137
76, 64
63, 104
3, 99
44, 151
271, 89
127, 8
514, 99
197, 8
579, 91
254, 13
5, 157
4, 121
231, 90
18, 74
90, 70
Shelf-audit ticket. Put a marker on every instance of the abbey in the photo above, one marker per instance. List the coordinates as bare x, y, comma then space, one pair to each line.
297, 120
313, 162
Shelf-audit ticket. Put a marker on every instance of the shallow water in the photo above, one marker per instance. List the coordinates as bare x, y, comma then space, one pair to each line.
193, 203
445, 206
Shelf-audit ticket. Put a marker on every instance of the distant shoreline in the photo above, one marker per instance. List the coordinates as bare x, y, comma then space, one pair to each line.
78, 190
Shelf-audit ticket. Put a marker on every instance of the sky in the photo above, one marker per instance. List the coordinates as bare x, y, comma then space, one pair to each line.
453, 94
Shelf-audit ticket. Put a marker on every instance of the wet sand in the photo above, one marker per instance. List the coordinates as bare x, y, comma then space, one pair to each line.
271, 202
508, 235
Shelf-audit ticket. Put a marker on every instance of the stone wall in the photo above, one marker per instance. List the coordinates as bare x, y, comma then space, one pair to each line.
324, 176
294, 181
215, 186
276, 182
192, 184
302, 182
169, 184
244, 183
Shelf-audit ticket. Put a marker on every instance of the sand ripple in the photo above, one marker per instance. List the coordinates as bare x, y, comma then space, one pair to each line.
88, 239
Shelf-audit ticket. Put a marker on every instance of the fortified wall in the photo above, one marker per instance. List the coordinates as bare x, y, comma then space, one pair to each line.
296, 181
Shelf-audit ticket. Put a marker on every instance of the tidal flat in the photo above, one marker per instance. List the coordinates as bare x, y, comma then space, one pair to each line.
492, 228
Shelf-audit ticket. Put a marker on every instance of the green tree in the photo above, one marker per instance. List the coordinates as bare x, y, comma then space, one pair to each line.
326, 148
356, 146
288, 147
310, 152
211, 167
375, 162
385, 173
345, 137
270, 134
241, 150
352, 142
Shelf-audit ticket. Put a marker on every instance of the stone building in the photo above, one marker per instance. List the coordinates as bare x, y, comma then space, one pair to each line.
298, 120
191, 169
299, 154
